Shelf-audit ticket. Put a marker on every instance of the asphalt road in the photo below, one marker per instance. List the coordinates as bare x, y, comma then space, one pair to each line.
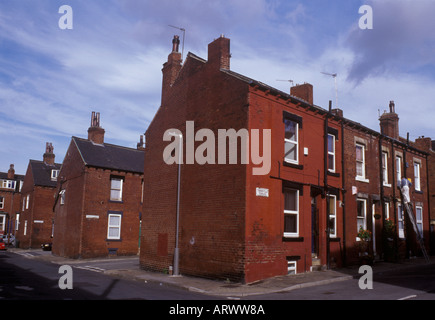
413, 283
22, 278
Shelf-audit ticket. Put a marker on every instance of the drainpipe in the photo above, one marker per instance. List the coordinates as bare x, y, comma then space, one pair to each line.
343, 181
325, 164
177, 250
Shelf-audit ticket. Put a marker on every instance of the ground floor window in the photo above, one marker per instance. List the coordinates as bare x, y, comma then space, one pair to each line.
400, 221
291, 212
361, 214
419, 218
114, 226
291, 267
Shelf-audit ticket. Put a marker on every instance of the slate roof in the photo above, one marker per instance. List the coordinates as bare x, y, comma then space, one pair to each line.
42, 173
110, 156
4, 175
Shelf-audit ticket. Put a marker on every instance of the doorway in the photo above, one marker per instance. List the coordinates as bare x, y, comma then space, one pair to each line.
314, 228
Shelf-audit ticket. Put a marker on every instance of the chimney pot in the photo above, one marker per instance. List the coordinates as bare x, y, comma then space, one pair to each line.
95, 132
175, 43
48, 156
11, 172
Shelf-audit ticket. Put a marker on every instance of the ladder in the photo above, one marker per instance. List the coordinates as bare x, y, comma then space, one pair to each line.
417, 232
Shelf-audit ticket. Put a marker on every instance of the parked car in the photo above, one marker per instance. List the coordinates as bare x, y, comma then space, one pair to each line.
46, 246
2, 245
8, 239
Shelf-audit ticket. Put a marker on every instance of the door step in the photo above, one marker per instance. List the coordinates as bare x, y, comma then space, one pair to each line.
316, 265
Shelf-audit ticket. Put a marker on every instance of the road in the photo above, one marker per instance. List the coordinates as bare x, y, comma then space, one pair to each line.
413, 283
25, 278
22, 278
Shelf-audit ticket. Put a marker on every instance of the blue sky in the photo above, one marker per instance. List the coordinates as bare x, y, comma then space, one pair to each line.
110, 62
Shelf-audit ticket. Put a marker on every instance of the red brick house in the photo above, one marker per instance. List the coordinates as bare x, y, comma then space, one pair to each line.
35, 223
374, 163
240, 220
98, 201
10, 200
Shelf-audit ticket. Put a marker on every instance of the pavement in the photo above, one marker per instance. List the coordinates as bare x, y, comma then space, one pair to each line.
131, 270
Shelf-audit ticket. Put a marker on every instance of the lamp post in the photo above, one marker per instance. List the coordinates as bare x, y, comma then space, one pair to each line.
176, 250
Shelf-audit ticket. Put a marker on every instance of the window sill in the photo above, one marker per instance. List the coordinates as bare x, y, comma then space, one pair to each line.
116, 201
292, 165
333, 174
292, 239
361, 179
388, 185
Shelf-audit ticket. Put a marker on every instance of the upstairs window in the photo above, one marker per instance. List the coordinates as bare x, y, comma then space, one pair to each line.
385, 168
417, 184
54, 174
116, 188
331, 153
291, 141
398, 169
360, 162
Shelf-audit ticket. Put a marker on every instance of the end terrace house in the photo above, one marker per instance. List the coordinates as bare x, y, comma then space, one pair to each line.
98, 202
235, 224
10, 200
35, 223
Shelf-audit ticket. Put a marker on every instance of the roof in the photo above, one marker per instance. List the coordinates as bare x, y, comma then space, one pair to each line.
4, 175
42, 173
110, 156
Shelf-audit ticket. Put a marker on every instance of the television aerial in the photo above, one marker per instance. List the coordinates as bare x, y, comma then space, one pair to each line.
334, 75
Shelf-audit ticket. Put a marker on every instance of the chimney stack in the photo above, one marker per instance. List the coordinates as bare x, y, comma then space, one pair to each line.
219, 53
141, 144
389, 122
11, 172
171, 68
95, 132
303, 91
48, 156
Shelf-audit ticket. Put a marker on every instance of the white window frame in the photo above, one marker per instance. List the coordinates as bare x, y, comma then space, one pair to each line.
112, 188
363, 218
331, 153
3, 222
387, 210
361, 177
17, 221
54, 174
2, 202
400, 221
419, 221
398, 169
62, 197
417, 176
114, 226
385, 169
295, 143
292, 212
292, 266
333, 215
